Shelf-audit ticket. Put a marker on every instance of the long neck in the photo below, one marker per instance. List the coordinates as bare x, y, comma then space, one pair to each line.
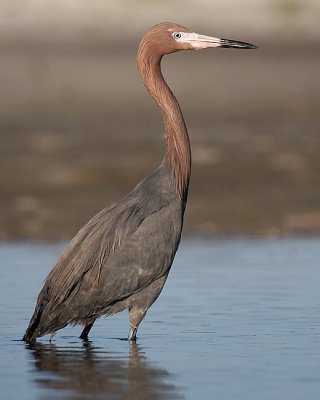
178, 153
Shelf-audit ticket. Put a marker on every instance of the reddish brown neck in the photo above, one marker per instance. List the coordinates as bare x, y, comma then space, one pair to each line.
178, 153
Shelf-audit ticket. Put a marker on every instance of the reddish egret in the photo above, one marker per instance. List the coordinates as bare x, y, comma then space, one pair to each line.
121, 258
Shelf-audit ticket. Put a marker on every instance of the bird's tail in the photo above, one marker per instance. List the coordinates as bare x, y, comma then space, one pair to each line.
32, 331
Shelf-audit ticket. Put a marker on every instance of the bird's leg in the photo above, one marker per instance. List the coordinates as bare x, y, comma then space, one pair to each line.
133, 333
86, 330
136, 315
52, 335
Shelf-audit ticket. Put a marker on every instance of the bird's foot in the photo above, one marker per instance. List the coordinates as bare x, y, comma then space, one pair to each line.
133, 333
52, 335
83, 337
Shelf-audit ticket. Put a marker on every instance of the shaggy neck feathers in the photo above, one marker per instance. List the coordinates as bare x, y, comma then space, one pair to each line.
178, 153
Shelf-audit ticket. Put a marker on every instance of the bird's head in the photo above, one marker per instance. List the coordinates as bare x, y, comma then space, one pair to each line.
167, 37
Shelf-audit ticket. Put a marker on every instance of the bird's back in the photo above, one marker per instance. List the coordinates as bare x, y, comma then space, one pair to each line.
118, 253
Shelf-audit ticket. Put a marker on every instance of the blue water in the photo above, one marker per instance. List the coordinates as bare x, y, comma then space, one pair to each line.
238, 319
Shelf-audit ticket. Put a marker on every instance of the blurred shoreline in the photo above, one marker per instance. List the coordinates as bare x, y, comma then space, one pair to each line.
78, 131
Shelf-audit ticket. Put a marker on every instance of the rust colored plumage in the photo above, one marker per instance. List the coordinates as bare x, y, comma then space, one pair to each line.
178, 152
121, 258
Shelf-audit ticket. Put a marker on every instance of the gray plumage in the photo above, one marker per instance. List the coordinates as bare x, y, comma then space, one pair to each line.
105, 268
121, 258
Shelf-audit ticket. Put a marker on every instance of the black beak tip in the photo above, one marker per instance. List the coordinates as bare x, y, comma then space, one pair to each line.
228, 43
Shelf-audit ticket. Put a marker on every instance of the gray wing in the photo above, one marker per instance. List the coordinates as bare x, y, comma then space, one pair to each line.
142, 258
117, 253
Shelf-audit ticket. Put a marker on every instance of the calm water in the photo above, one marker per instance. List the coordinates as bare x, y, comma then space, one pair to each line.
238, 319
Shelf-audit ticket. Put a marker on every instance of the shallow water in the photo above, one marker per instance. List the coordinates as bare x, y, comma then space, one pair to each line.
238, 319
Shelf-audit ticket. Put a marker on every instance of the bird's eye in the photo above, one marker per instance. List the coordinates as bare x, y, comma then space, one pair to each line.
176, 35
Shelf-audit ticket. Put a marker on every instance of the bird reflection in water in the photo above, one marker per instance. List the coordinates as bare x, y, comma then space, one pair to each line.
90, 373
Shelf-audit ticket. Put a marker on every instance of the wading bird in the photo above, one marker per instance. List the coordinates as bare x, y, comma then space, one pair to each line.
121, 258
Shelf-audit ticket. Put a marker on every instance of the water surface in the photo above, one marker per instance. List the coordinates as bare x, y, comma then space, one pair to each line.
238, 319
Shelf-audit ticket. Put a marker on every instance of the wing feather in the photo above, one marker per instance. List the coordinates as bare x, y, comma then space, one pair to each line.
113, 245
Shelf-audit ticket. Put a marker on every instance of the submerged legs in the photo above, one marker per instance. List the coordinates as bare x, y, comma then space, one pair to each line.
52, 335
133, 333
86, 330
136, 315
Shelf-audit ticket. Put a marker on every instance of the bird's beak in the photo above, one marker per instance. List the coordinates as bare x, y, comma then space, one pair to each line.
236, 44
202, 42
